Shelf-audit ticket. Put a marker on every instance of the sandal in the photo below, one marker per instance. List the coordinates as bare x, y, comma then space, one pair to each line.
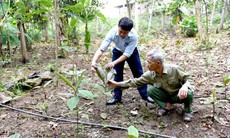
162, 112
187, 117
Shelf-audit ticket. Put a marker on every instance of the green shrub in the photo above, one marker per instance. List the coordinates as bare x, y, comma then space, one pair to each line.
189, 27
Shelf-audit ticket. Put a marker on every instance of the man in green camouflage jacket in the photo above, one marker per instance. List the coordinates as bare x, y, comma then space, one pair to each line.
168, 84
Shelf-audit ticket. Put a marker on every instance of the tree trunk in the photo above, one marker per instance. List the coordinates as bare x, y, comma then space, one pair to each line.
199, 22
46, 32
57, 36
25, 57
228, 8
96, 26
213, 11
1, 52
207, 27
57, 39
136, 16
150, 15
163, 22
224, 11
128, 8
87, 36
28, 44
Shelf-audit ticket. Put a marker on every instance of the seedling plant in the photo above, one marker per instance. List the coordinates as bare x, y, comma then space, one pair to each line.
214, 102
105, 76
76, 87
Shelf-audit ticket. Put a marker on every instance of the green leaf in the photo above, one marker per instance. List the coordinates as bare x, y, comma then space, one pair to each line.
207, 102
86, 3
46, 3
174, 19
25, 84
223, 101
66, 94
69, 73
16, 135
66, 81
79, 72
100, 87
73, 102
86, 94
84, 81
87, 39
100, 73
14, 39
79, 81
3, 8
77, 8
29, 38
40, 11
21, 7
110, 75
73, 22
101, 16
214, 95
133, 132
226, 79
107, 93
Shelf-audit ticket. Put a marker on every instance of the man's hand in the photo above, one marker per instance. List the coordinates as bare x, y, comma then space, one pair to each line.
93, 67
114, 83
110, 65
182, 94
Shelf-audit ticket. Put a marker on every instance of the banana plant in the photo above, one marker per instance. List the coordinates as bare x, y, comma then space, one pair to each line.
78, 93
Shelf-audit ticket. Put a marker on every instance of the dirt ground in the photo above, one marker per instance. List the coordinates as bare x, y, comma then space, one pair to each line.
207, 69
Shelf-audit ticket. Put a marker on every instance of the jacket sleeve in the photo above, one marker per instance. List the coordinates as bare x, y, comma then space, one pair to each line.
146, 78
185, 79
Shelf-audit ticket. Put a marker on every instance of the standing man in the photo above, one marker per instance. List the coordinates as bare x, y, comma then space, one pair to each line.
125, 39
169, 84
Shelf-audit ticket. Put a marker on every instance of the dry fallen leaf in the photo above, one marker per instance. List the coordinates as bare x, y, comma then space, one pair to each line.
103, 115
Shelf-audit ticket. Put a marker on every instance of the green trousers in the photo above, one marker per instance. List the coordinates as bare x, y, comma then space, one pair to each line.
161, 98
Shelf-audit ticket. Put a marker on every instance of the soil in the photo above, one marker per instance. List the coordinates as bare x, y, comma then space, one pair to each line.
207, 68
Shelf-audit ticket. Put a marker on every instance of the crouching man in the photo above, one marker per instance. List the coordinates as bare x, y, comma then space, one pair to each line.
168, 84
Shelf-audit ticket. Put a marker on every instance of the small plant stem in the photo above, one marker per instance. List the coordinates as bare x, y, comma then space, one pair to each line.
77, 123
43, 88
213, 115
106, 89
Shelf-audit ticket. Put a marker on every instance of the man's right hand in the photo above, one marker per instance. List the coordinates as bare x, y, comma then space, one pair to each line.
93, 67
113, 83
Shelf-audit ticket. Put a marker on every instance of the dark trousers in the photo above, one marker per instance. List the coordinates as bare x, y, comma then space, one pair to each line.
161, 98
136, 68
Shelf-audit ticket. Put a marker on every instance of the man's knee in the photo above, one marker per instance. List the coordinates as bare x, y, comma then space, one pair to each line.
150, 89
190, 96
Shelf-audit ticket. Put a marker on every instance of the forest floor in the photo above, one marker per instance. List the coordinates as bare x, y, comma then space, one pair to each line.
207, 68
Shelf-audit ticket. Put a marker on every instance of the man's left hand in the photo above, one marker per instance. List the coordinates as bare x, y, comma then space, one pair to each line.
110, 65
182, 94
